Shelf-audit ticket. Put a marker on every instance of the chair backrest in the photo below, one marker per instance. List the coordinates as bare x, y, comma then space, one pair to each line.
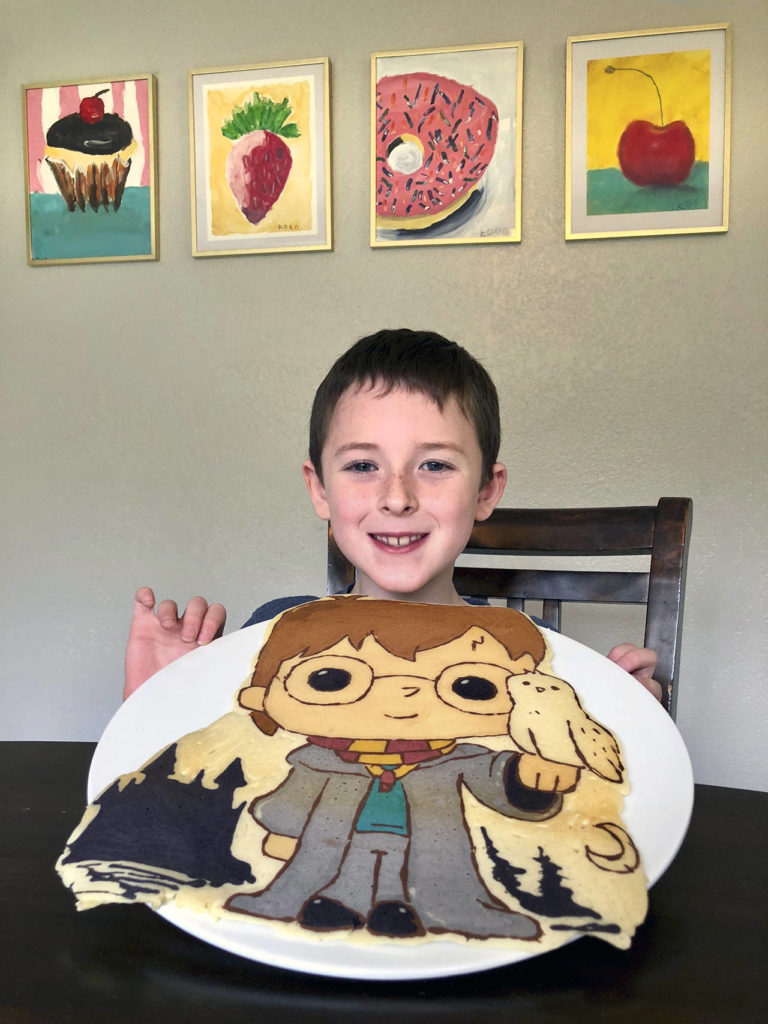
661, 531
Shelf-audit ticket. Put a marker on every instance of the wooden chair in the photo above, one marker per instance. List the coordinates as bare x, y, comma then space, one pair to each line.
661, 531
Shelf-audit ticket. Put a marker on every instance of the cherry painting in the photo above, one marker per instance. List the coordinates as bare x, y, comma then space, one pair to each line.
648, 133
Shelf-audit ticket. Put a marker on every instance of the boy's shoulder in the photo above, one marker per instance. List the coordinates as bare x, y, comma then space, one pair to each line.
274, 607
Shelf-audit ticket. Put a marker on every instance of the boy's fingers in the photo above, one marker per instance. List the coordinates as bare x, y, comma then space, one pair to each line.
145, 597
213, 624
619, 651
200, 622
192, 619
168, 614
641, 663
634, 659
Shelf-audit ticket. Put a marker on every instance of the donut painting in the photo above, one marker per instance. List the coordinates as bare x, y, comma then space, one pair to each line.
446, 145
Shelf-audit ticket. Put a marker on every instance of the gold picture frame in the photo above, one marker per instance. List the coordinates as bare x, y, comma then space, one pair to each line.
446, 145
270, 192
648, 132
90, 170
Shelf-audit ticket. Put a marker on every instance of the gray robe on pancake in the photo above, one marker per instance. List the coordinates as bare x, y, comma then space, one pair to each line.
320, 801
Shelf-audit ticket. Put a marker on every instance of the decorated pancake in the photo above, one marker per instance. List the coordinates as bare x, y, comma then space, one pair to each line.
389, 773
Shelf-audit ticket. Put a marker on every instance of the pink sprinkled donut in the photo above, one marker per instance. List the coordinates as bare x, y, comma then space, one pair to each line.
434, 141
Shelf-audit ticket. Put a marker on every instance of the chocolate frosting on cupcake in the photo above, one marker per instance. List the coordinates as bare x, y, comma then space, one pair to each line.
109, 135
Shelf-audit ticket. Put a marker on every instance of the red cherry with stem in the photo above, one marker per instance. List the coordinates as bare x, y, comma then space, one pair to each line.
651, 154
92, 108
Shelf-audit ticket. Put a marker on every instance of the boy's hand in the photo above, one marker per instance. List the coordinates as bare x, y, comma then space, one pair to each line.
640, 662
546, 776
158, 638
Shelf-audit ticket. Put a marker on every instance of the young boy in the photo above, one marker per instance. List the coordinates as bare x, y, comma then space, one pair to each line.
404, 440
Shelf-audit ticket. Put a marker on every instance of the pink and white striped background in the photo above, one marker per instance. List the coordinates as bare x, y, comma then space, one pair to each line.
127, 98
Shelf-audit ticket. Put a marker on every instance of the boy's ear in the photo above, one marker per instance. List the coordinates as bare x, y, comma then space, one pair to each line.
491, 492
316, 490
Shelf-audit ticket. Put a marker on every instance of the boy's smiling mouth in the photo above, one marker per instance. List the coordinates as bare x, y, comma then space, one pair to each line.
397, 540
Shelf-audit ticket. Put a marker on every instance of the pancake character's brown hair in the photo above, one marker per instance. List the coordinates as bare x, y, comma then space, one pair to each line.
311, 628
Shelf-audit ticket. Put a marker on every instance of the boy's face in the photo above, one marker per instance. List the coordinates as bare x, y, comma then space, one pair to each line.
402, 489
449, 692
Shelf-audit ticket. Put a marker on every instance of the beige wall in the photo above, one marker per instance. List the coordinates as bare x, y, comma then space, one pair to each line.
154, 413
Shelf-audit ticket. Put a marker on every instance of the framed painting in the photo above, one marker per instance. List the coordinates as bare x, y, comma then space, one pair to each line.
648, 132
446, 130
260, 145
90, 170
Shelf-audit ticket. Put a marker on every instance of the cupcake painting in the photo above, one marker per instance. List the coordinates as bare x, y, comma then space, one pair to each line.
90, 171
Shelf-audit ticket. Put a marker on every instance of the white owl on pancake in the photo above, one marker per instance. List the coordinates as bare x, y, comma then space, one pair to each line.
547, 719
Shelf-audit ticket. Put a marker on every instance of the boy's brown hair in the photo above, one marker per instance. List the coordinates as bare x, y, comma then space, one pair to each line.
311, 628
419, 361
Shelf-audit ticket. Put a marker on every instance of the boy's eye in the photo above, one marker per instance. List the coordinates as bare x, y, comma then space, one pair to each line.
361, 466
435, 465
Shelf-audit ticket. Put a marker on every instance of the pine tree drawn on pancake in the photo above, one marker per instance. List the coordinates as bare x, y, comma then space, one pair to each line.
553, 899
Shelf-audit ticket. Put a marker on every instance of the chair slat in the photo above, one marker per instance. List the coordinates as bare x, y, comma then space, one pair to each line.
549, 584
550, 613
664, 617
565, 531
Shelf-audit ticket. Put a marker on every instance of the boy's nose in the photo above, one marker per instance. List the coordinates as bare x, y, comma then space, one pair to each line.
398, 496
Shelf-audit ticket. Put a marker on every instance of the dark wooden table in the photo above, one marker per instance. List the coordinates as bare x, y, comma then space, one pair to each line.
700, 957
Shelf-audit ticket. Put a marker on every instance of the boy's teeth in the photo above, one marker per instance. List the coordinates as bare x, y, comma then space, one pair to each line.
397, 542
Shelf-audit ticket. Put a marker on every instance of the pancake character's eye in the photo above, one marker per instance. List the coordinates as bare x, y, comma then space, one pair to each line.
474, 688
329, 680
477, 688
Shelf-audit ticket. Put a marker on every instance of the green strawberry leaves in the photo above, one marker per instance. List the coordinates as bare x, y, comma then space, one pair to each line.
261, 114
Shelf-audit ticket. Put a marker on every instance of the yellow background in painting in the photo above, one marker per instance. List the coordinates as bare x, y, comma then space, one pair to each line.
293, 209
615, 100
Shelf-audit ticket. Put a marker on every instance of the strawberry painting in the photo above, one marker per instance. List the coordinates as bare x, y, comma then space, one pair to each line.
259, 163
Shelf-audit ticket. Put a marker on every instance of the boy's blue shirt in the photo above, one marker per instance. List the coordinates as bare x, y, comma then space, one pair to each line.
274, 607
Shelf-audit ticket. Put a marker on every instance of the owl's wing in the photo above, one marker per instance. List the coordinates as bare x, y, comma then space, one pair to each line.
547, 719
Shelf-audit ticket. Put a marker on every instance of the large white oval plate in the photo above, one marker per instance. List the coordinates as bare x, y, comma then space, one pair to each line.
198, 688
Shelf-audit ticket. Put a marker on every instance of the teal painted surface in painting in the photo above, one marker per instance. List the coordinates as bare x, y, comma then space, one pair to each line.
609, 192
57, 234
